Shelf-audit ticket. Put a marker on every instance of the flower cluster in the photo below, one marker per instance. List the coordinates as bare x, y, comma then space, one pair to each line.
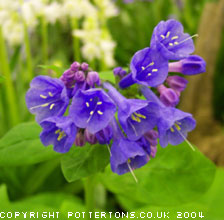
139, 123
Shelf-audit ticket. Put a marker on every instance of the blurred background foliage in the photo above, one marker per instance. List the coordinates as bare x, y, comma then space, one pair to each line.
32, 179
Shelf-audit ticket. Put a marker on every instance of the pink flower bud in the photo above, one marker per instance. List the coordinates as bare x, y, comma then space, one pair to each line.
80, 139
168, 96
91, 138
93, 78
177, 83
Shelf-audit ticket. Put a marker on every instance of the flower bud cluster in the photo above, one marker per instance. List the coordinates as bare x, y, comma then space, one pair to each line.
80, 73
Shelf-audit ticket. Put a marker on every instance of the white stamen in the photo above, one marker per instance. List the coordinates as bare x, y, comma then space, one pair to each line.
151, 64
149, 74
37, 106
132, 173
171, 44
195, 35
87, 104
190, 145
44, 105
91, 113
162, 36
154, 70
176, 43
133, 127
108, 147
99, 103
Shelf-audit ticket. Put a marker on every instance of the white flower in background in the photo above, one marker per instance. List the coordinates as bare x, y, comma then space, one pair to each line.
97, 42
107, 8
29, 14
4, 16
53, 12
92, 15
9, 5
78, 8
107, 47
13, 32
91, 51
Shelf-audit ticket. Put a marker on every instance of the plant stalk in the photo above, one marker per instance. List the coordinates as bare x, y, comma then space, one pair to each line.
28, 54
89, 187
44, 36
76, 43
8, 83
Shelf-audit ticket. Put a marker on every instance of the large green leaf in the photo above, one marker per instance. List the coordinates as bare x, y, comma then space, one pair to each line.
177, 175
21, 146
210, 205
42, 204
84, 161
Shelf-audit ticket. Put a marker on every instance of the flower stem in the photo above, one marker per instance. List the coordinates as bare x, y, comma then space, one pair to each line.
8, 84
28, 53
44, 36
76, 43
89, 186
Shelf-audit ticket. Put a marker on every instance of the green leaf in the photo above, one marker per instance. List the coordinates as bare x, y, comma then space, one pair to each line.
21, 146
4, 196
210, 204
84, 161
177, 175
44, 203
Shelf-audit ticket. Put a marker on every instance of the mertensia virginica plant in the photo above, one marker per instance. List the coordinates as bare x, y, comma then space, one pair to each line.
80, 107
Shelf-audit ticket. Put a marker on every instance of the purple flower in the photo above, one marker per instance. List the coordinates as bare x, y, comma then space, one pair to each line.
80, 139
120, 72
68, 78
168, 37
173, 126
148, 68
92, 109
79, 76
91, 138
92, 79
190, 66
126, 155
144, 143
84, 66
177, 83
168, 96
105, 135
46, 97
152, 137
135, 116
75, 66
59, 131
